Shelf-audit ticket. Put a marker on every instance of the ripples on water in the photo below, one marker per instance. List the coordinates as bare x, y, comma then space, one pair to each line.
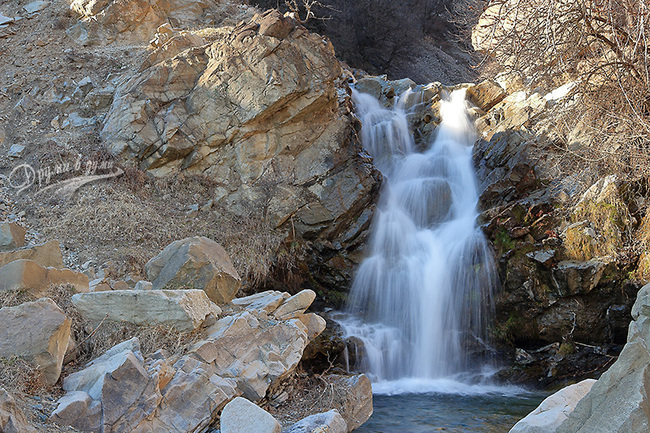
449, 412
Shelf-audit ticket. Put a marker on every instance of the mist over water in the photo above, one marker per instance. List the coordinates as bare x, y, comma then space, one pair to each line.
422, 298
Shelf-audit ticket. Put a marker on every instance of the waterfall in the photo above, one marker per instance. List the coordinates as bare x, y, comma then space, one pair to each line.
423, 295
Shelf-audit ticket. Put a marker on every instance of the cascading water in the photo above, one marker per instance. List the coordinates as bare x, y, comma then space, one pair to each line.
424, 292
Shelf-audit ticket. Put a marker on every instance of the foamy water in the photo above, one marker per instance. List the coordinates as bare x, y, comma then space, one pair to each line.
424, 292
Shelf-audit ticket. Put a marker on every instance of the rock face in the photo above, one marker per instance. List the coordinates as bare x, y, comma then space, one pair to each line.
548, 416
29, 275
560, 238
198, 263
260, 112
37, 331
405, 39
12, 419
331, 422
183, 309
242, 416
618, 401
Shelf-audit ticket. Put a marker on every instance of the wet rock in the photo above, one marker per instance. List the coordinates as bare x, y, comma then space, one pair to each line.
242, 416
554, 409
38, 332
12, 418
331, 422
36, 279
382, 89
198, 263
47, 255
183, 309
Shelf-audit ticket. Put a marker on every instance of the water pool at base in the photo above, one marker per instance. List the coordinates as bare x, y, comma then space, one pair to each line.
424, 413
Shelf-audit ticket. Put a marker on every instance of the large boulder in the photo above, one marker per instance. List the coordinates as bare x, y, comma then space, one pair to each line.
37, 331
554, 409
618, 402
242, 416
192, 398
197, 263
267, 301
12, 419
183, 309
253, 350
47, 255
486, 94
295, 306
100, 396
354, 397
262, 112
36, 279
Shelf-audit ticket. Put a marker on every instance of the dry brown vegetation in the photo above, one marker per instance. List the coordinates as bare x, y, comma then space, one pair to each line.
129, 220
601, 45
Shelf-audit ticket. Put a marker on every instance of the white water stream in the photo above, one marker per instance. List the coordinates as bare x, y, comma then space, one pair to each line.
422, 297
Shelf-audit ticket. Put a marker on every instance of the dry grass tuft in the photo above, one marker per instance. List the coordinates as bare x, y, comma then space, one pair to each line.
152, 339
19, 377
13, 298
129, 221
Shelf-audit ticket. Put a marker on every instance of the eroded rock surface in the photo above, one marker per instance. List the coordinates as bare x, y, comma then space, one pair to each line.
241, 354
183, 309
37, 331
263, 113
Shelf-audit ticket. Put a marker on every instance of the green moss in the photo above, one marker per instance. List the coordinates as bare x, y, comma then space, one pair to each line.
566, 348
503, 241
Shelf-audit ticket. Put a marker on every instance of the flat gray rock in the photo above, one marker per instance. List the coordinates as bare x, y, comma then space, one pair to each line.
36, 6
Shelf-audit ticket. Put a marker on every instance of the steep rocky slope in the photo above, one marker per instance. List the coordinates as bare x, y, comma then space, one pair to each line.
243, 134
414, 39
